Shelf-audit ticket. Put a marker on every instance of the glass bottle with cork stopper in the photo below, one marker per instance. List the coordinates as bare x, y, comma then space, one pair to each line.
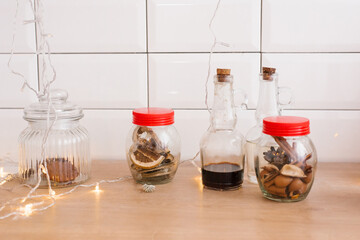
268, 104
221, 147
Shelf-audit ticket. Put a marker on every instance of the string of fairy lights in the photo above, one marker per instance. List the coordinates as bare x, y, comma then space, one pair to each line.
32, 202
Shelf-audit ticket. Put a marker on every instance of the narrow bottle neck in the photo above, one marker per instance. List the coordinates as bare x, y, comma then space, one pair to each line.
268, 99
223, 115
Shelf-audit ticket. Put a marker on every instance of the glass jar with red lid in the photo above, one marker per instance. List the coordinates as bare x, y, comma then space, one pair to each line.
153, 146
286, 159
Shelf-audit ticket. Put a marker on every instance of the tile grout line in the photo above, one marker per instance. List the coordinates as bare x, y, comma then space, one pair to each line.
37, 55
131, 53
196, 109
261, 33
147, 55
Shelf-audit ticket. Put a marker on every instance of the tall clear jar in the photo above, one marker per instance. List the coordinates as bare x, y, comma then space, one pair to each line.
66, 151
286, 159
221, 146
269, 104
153, 146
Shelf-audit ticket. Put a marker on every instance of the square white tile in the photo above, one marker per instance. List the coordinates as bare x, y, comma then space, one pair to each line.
25, 34
11, 95
96, 26
178, 80
108, 130
319, 81
11, 125
183, 25
311, 26
102, 80
334, 134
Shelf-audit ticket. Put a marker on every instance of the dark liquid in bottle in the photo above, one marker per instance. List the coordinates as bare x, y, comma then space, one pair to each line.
222, 176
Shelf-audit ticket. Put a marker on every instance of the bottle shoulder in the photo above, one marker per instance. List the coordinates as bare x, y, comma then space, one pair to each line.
222, 136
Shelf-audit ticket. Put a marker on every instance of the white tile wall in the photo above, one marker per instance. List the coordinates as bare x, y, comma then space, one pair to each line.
334, 134
25, 36
97, 25
103, 80
108, 130
132, 53
11, 95
11, 125
192, 124
183, 25
175, 79
319, 81
311, 26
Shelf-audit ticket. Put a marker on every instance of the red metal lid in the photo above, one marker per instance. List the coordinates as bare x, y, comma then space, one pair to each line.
286, 126
153, 116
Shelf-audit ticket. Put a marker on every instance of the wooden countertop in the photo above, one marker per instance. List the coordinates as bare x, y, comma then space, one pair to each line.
182, 209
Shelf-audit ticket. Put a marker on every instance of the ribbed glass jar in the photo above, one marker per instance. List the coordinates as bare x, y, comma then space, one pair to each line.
66, 151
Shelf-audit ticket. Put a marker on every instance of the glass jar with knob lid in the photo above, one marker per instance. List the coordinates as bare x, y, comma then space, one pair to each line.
66, 152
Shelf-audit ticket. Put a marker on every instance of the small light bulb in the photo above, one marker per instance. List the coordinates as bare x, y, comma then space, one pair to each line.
53, 193
97, 188
27, 210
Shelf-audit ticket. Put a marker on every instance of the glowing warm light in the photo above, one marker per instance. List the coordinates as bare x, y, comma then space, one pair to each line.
53, 193
336, 135
27, 210
2, 172
97, 188
198, 180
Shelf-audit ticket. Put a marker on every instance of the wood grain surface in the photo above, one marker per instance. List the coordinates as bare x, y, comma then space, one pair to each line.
182, 209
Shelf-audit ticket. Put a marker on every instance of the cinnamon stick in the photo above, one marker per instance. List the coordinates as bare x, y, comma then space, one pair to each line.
286, 147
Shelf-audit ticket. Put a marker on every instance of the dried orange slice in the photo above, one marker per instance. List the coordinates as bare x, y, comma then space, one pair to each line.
146, 159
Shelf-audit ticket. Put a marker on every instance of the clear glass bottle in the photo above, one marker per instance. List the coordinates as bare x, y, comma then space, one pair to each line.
286, 159
67, 152
268, 105
221, 147
153, 146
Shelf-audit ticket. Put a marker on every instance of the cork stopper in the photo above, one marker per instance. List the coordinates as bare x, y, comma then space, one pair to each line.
222, 71
223, 75
267, 72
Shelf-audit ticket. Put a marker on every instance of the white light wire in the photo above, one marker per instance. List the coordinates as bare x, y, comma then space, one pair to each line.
44, 49
214, 44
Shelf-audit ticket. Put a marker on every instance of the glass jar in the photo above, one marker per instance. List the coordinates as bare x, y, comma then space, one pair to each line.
66, 151
269, 104
153, 146
221, 147
286, 159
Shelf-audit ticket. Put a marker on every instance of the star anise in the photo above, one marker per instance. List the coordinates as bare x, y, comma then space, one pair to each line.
277, 157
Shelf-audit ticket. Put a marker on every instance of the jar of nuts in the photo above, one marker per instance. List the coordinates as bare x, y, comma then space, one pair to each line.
286, 159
